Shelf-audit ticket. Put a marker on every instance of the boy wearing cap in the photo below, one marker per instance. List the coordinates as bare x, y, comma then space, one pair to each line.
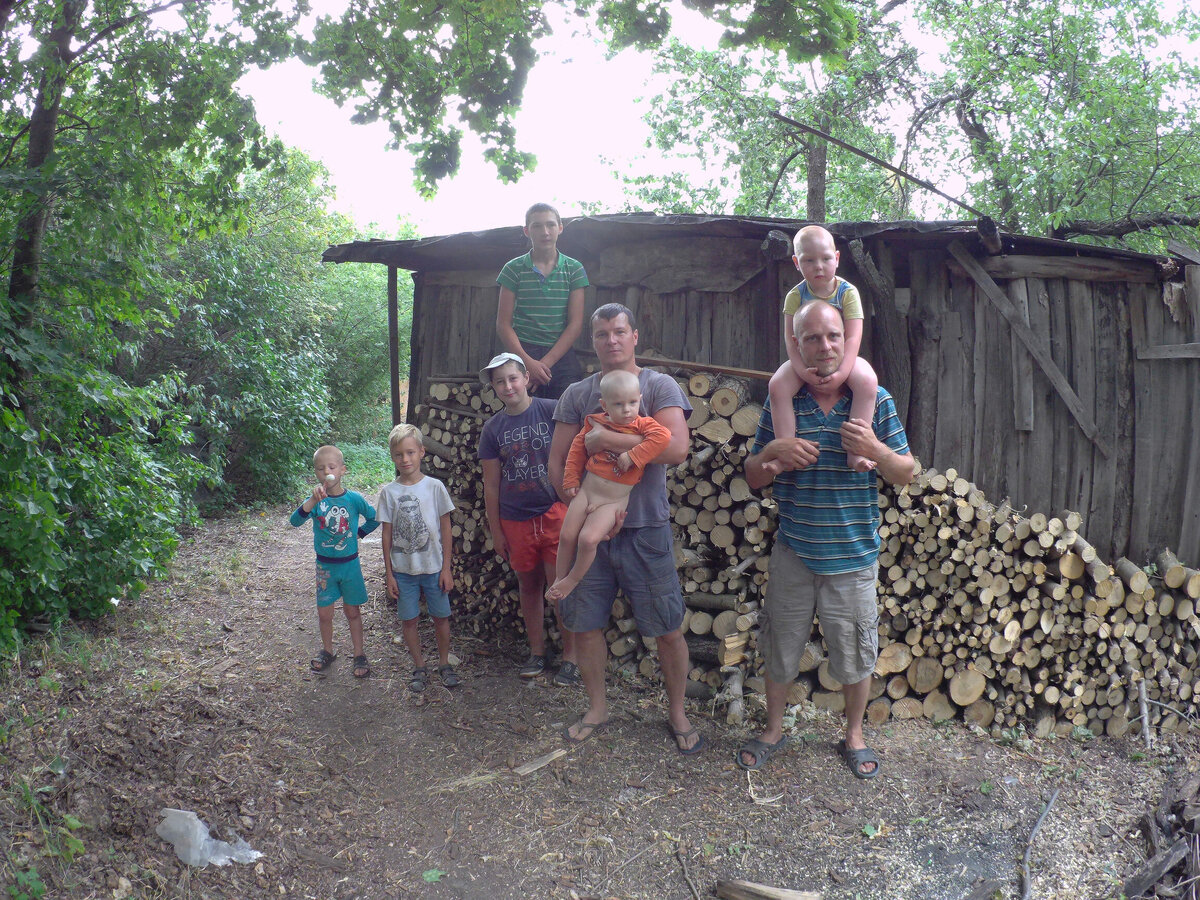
540, 313
523, 510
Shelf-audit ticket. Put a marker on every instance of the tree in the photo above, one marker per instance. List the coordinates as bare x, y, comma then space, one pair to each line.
1070, 120
759, 164
416, 63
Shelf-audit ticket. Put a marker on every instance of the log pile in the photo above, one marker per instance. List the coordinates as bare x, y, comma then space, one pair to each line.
1000, 618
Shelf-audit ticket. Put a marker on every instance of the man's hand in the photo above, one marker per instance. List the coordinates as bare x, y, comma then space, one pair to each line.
617, 525
539, 373
858, 437
597, 439
795, 453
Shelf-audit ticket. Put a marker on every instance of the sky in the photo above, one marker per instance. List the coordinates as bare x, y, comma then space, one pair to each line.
374, 185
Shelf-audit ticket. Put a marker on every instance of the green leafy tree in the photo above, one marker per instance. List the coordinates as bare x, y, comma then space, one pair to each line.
1069, 120
425, 66
715, 118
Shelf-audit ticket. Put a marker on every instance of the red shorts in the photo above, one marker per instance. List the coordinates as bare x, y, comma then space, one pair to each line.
534, 540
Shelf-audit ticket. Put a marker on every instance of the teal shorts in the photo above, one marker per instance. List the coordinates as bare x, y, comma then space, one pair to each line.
340, 580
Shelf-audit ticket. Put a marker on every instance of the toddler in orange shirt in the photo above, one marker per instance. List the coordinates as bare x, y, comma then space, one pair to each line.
599, 484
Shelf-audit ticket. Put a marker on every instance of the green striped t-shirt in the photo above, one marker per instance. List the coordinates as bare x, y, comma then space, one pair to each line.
541, 308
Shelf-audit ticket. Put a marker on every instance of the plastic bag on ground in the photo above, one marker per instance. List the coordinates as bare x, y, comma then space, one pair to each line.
195, 846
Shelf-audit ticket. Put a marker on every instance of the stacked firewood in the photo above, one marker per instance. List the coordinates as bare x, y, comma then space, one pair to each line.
998, 617
1012, 618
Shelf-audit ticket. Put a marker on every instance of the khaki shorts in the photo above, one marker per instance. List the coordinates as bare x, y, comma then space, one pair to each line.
849, 615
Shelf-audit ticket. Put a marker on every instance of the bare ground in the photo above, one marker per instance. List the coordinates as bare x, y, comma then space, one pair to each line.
198, 696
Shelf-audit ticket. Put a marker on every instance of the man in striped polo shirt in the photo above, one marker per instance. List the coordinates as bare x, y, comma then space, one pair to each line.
540, 314
825, 559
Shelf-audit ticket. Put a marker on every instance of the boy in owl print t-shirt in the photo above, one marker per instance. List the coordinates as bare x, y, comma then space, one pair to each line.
415, 513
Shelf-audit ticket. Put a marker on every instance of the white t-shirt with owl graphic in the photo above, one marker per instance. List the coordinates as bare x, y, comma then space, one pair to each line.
415, 511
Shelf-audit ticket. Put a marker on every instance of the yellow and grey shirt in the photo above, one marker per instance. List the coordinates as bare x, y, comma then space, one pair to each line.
845, 298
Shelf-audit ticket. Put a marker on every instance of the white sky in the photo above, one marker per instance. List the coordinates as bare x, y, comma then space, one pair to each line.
374, 185
571, 79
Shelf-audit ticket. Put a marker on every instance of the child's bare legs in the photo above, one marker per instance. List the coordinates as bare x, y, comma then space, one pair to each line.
441, 631
412, 640
864, 384
354, 619
784, 385
325, 620
568, 537
598, 523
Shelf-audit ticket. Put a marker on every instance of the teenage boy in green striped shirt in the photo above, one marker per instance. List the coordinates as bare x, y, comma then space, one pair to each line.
540, 315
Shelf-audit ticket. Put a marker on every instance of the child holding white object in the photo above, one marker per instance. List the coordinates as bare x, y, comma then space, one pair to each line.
600, 494
817, 259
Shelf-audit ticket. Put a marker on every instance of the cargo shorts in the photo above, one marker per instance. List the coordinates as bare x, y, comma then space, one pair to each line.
846, 604
641, 562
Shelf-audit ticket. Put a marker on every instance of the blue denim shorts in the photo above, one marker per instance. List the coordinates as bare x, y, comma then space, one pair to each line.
641, 562
344, 580
411, 587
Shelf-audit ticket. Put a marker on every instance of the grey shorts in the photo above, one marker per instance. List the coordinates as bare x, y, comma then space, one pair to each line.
849, 615
641, 562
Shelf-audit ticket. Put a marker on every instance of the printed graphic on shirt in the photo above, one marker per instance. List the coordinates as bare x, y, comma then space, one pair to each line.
334, 520
523, 452
409, 532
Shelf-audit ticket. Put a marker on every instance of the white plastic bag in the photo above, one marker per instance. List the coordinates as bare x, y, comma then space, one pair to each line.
193, 844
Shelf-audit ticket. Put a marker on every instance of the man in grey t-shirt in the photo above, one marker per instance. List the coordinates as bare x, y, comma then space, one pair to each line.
639, 559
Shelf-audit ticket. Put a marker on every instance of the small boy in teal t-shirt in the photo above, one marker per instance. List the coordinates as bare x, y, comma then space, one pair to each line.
335, 513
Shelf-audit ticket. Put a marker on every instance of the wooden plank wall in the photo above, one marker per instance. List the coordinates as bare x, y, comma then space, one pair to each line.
1143, 495
965, 400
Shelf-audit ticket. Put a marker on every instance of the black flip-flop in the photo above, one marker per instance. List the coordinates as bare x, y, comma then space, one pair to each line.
590, 727
449, 676
760, 750
856, 759
362, 668
684, 735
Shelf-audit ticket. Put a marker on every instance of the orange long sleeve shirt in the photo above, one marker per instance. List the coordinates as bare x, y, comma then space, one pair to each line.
655, 438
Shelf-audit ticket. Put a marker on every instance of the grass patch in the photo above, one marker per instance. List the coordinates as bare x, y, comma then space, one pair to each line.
368, 467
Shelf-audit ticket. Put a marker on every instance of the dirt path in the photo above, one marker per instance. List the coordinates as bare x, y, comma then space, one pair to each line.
199, 698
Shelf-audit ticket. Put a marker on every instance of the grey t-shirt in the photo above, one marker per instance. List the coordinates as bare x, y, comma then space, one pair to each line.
415, 512
648, 502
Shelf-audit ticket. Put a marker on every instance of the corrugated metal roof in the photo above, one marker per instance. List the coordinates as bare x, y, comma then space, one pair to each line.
587, 235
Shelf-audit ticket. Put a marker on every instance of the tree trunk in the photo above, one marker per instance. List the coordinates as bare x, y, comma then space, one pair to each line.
816, 171
56, 57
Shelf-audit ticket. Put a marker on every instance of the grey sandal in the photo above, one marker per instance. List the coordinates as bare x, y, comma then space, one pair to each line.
419, 680
449, 676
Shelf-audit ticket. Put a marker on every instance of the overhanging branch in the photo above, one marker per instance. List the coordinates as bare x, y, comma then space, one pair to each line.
1126, 225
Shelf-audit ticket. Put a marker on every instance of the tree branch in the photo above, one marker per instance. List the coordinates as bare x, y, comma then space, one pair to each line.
125, 22
1126, 225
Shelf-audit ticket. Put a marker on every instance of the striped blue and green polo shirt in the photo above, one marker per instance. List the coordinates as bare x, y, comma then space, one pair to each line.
828, 513
541, 308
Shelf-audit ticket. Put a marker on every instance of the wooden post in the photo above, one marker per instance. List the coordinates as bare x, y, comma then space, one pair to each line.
394, 342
